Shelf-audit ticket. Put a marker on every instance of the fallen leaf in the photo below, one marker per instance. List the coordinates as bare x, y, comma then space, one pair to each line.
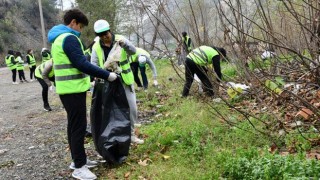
165, 157
143, 163
127, 174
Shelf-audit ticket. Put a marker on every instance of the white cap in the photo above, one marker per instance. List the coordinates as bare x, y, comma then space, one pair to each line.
101, 25
43, 49
142, 60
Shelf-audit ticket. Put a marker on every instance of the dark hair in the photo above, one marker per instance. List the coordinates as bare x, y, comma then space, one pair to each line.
184, 33
76, 14
221, 51
29, 50
11, 52
18, 53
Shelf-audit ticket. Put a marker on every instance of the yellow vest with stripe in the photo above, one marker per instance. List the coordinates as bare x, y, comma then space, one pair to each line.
202, 55
39, 70
20, 65
32, 60
68, 79
126, 73
140, 51
186, 42
44, 59
10, 65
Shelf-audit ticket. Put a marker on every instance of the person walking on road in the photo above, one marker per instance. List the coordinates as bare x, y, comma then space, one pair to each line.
20, 67
12, 65
100, 53
32, 63
197, 62
45, 74
139, 61
71, 71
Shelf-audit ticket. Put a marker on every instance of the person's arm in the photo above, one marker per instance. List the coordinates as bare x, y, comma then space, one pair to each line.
216, 66
127, 46
94, 58
153, 67
28, 59
13, 60
73, 50
45, 73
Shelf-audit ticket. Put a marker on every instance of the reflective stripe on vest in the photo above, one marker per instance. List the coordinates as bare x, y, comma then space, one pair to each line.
68, 79
126, 73
202, 55
32, 60
9, 63
140, 51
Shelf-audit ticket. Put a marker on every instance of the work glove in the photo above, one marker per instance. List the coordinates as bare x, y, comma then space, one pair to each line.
92, 83
155, 82
112, 76
51, 88
121, 42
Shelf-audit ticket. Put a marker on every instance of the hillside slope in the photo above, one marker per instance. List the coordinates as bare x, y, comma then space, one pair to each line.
20, 27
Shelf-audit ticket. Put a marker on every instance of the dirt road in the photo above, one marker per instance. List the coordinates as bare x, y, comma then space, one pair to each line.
32, 142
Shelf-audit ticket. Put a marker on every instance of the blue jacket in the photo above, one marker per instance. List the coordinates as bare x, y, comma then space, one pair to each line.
72, 49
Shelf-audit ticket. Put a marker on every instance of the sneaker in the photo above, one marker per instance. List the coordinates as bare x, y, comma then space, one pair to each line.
31, 80
26, 81
47, 108
135, 139
21, 81
15, 83
90, 164
83, 173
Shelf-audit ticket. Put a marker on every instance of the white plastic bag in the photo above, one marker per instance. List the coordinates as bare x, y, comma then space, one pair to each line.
113, 58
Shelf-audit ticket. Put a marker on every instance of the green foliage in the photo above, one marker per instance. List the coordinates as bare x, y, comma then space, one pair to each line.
271, 166
275, 86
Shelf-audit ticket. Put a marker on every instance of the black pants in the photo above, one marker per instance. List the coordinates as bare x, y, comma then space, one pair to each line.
44, 92
21, 75
32, 69
135, 70
192, 68
75, 105
14, 75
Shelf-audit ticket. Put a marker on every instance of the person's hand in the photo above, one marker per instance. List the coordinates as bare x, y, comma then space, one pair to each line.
155, 82
121, 42
112, 76
92, 83
51, 88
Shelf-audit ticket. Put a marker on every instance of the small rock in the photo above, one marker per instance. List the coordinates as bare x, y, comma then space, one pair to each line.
2, 151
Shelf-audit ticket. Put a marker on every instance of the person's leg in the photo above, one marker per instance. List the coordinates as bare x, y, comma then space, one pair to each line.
32, 69
203, 76
131, 97
144, 77
20, 75
23, 77
75, 106
134, 67
189, 71
14, 75
44, 92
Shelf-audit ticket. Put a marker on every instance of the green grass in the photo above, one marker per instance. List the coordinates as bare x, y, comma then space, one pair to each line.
190, 142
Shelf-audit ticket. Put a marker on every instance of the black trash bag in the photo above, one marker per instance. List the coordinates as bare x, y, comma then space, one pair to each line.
110, 121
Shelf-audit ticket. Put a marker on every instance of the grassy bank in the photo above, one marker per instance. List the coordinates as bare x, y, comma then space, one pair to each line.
186, 140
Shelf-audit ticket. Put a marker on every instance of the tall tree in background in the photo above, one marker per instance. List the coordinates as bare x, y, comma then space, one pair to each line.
98, 9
